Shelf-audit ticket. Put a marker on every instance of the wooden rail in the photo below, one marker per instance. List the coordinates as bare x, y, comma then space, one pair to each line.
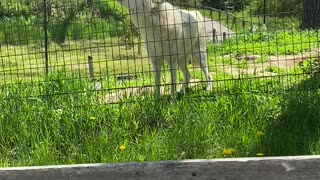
271, 168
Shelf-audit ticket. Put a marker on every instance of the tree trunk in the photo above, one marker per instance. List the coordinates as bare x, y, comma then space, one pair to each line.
311, 14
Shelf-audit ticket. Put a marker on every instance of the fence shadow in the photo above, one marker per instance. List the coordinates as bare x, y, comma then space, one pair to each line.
296, 131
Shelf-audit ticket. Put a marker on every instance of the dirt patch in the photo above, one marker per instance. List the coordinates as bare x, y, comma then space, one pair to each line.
258, 69
290, 61
140, 91
79, 66
253, 68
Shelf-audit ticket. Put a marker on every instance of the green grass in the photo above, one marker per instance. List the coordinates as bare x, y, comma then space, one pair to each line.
60, 119
36, 129
244, 21
275, 69
26, 63
268, 43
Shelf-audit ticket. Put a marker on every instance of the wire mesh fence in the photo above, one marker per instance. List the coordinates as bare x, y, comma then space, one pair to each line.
97, 40
62, 61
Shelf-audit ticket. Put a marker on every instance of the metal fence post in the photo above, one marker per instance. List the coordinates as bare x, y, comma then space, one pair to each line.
45, 27
264, 11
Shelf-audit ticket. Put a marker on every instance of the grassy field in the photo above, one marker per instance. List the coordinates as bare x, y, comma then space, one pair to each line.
71, 126
244, 21
266, 104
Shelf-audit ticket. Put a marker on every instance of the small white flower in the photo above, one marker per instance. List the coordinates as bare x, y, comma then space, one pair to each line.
183, 153
59, 110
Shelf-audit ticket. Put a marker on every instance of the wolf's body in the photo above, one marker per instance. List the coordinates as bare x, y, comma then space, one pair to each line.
171, 34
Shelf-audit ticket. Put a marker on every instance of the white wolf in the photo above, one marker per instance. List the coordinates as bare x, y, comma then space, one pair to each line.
172, 34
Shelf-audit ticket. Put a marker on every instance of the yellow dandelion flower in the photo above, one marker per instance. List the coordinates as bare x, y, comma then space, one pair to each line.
92, 118
260, 154
260, 133
228, 152
122, 148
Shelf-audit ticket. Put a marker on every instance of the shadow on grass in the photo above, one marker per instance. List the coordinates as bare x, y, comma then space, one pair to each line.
296, 131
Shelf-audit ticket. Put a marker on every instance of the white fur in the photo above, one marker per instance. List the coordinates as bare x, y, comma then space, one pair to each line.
172, 34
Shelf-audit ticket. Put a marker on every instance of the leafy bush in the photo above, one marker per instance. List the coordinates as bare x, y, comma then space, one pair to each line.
22, 21
276, 7
220, 4
10, 9
19, 31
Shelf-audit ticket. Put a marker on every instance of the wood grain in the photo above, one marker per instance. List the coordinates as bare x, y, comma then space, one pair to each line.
274, 168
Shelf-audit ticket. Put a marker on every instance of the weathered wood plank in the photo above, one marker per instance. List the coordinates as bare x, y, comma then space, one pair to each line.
275, 168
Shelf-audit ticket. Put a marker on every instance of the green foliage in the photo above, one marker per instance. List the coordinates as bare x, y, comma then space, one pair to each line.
10, 9
19, 31
268, 43
60, 121
128, 31
220, 4
276, 7
21, 22
110, 8
275, 69
61, 22
310, 66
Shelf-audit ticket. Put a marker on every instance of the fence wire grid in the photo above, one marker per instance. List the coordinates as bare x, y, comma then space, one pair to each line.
78, 86
68, 48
